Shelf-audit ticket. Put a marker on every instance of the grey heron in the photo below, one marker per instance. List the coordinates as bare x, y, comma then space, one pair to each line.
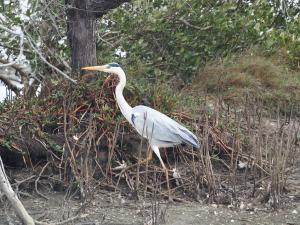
159, 129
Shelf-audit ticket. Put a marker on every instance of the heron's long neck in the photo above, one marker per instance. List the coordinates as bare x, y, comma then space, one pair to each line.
123, 105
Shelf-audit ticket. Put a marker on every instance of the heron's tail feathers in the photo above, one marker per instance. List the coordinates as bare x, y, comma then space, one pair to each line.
189, 138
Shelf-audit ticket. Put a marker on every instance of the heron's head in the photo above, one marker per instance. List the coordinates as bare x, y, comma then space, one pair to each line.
107, 68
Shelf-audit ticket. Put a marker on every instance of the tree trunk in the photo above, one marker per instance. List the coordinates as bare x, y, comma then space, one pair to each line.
81, 33
81, 28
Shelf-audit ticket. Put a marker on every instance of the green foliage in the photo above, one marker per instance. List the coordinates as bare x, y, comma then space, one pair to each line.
178, 37
167, 41
6, 142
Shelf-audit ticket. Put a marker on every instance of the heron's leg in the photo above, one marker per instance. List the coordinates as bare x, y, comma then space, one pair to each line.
149, 156
156, 151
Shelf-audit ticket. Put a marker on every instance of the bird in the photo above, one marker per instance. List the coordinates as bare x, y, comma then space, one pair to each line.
160, 130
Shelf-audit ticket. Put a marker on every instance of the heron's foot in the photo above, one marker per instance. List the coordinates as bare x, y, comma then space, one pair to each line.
149, 157
170, 199
144, 161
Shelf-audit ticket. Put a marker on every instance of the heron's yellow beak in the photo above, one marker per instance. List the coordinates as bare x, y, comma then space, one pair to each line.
97, 68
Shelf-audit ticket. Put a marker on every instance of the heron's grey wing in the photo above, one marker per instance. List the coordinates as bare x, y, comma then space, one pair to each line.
159, 129
152, 126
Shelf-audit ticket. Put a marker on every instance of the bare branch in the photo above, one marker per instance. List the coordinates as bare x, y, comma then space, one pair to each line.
49, 64
21, 34
14, 48
21, 45
193, 26
17, 67
11, 80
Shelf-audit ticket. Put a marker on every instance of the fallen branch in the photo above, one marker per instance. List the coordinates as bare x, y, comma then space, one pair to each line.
37, 180
67, 221
13, 198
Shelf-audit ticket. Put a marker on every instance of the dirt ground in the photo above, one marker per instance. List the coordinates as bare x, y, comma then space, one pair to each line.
111, 209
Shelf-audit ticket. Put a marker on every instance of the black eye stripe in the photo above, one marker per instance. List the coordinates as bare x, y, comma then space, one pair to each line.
114, 65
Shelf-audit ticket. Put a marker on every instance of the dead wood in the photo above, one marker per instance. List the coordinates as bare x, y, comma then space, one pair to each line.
5, 187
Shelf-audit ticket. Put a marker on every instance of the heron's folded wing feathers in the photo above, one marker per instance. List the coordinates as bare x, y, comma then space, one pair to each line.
156, 126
